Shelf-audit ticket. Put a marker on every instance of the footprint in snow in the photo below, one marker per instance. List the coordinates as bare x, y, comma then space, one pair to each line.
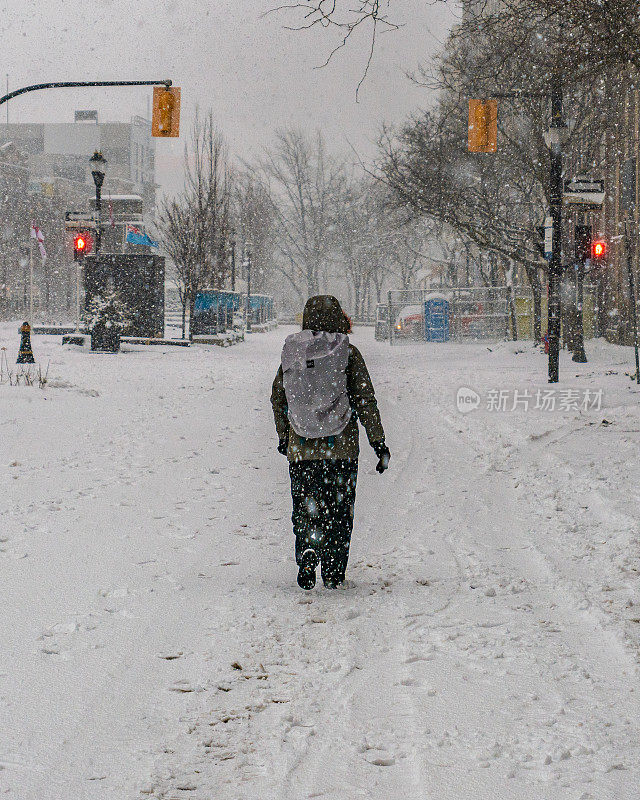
184, 687
413, 658
379, 758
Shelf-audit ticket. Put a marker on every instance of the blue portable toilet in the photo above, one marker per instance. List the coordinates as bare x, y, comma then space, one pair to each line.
436, 319
213, 311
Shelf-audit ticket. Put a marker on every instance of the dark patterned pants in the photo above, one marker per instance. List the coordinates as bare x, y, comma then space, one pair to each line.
324, 496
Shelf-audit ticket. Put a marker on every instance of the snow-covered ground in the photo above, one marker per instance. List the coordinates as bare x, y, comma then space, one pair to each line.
154, 644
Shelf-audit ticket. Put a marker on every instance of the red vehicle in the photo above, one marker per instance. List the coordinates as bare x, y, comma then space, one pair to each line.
410, 322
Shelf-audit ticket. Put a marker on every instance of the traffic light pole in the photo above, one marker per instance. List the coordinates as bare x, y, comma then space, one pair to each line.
98, 218
79, 85
31, 282
555, 201
632, 298
579, 354
555, 142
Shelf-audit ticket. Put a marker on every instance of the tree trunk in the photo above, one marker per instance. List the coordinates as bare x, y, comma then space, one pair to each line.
536, 292
184, 317
378, 286
192, 303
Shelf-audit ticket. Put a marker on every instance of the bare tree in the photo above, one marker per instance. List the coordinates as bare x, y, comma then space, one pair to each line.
581, 35
345, 18
303, 183
177, 233
494, 205
357, 240
195, 227
208, 195
254, 222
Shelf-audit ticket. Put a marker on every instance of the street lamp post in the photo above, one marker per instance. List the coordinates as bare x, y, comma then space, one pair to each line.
98, 165
31, 282
556, 136
24, 263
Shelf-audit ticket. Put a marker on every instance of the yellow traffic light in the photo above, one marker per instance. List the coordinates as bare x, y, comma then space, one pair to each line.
483, 126
166, 112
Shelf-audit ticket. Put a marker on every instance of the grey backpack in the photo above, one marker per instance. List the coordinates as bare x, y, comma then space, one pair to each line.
314, 371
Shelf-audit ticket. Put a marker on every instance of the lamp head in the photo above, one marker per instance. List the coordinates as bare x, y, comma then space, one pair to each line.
98, 164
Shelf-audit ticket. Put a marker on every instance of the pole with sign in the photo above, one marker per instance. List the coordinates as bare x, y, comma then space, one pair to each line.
630, 229
31, 281
548, 238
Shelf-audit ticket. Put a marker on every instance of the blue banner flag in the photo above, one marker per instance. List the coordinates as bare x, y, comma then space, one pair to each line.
136, 236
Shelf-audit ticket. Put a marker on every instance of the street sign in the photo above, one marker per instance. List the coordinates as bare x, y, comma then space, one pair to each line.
548, 238
81, 225
79, 219
581, 184
79, 216
584, 202
587, 193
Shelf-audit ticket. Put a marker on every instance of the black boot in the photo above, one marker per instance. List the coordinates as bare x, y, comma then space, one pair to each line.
307, 571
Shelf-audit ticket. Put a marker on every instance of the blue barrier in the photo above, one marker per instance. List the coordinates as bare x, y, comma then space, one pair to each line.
214, 309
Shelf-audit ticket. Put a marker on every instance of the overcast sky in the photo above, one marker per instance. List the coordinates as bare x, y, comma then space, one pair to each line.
225, 55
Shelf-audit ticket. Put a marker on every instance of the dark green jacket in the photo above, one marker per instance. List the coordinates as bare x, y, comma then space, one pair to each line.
323, 313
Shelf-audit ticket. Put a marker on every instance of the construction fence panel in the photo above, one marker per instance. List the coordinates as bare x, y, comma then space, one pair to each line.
457, 314
470, 314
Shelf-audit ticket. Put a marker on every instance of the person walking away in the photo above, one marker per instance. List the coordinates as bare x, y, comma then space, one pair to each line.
320, 394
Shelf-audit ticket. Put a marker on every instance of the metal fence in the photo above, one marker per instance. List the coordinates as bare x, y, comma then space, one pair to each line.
458, 314
472, 313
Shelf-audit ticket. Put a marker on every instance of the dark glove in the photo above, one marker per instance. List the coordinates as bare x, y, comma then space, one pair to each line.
283, 446
382, 451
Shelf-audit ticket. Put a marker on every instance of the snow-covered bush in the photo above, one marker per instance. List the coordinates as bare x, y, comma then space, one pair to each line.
107, 317
108, 310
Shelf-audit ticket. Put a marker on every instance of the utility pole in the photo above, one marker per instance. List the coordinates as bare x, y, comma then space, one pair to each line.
78, 296
31, 281
556, 136
630, 227
583, 245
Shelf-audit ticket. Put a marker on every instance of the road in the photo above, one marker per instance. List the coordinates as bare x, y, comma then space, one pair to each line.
155, 643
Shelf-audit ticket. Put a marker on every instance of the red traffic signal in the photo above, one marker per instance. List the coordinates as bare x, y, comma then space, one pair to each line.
599, 250
82, 244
